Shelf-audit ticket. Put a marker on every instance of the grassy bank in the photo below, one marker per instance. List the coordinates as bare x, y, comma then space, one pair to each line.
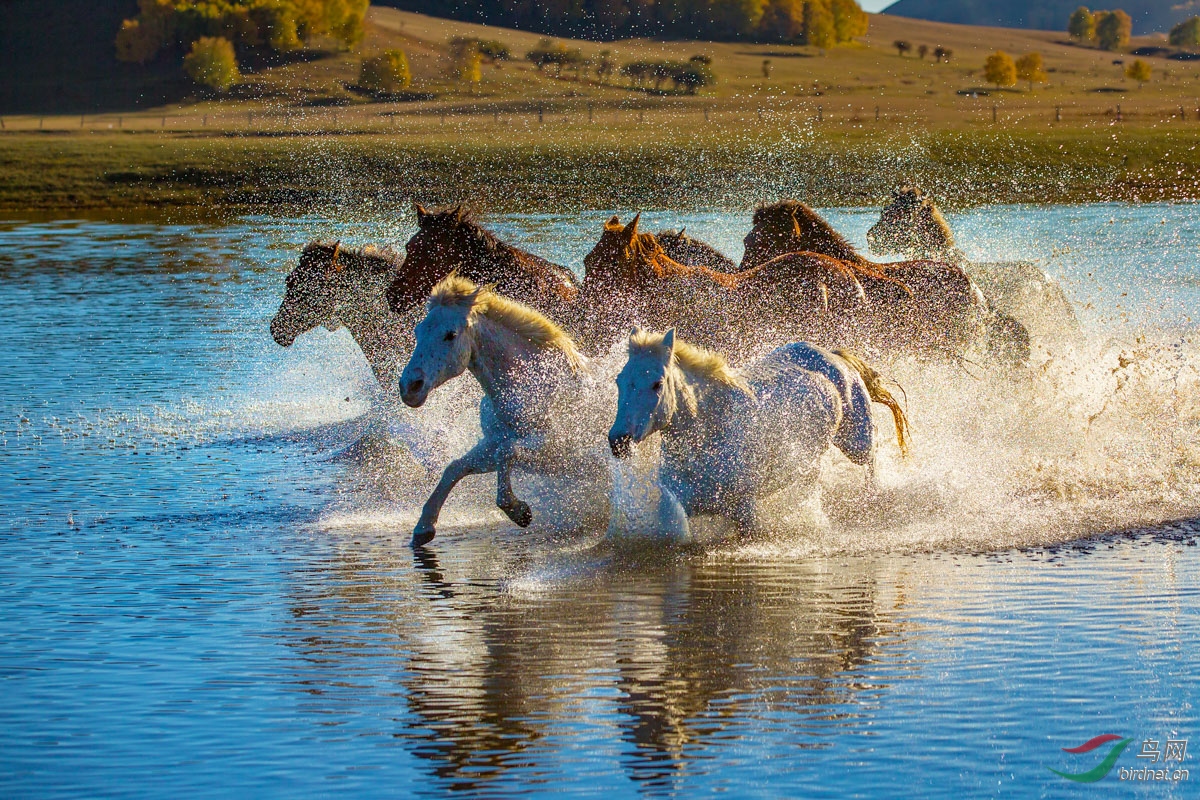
555, 168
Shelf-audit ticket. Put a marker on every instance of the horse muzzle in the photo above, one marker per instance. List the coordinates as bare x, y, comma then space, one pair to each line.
414, 393
621, 446
282, 337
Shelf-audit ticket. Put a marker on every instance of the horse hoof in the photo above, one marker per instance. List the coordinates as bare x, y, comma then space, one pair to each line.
422, 537
520, 513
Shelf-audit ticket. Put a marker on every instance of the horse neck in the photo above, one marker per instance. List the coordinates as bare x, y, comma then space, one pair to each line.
375, 329
830, 244
708, 395
501, 360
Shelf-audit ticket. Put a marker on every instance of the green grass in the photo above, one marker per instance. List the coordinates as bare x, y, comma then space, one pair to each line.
605, 169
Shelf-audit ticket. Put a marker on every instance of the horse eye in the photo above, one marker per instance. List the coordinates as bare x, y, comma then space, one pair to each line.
449, 337
657, 387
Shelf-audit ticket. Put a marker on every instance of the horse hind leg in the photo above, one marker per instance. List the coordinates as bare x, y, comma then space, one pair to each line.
514, 508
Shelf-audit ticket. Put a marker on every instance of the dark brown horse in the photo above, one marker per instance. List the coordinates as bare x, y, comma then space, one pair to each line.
942, 311
631, 278
690, 250
450, 239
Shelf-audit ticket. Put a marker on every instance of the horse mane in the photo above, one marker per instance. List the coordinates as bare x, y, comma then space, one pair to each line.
817, 234
460, 221
693, 360
456, 291
370, 257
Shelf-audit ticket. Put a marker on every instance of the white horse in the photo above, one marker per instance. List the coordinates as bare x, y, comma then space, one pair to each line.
534, 380
335, 286
730, 440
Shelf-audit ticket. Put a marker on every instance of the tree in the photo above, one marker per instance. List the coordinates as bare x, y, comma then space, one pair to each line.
466, 61
386, 72
766, 68
819, 30
137, 43
605, 66
782, 21
999, 69
940, 53
1138, 71
849, 20
211, 62
1113, 29
1082, 25
901, 46
1186, 33
693, 75
922, 51
1029, 68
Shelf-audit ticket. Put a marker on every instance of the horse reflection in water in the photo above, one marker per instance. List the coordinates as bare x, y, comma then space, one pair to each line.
499, 680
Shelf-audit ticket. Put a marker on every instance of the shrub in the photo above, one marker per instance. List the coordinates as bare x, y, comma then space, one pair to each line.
212, 63
1186, 33
999, 69
1082, 25
1113, 29
940, 53
901, 46
1030, 68
1138, 71
386, 72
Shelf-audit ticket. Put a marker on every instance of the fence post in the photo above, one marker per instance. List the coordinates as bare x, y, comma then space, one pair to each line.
249, 119
81, 120
591, 109
993, 112
706, 113
641, 115
820, 113
1118, 112
41, 122
541, 113
164, 123
496, 115
877, 113
1182, 115
204, 121
1058, 113
760, 113
2, 126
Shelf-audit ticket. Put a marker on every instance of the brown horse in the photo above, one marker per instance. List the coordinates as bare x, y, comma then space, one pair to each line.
450, 239
690, 250
942, 311
630, 278
912, 226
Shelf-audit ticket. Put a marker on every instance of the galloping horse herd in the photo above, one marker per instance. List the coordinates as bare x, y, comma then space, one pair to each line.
731, 436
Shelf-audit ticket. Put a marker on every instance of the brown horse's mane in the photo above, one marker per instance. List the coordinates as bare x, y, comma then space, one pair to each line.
369, 257
646, 250
814, 233
479, 242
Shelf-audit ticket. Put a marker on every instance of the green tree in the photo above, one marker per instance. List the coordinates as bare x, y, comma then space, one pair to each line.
1030, 68
1082, 25
1113, 29
466, 62
211, 62
999, 69
1186, 33
1138, 71
386, 72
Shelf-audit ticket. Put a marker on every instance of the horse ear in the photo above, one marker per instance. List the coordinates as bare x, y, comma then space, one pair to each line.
681, 232
669, 340
631, 229
422, 212
615, 222
337, 251
636, 331
459, 212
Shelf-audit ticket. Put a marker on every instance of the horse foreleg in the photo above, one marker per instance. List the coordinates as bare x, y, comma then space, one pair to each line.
516, 510
480, 459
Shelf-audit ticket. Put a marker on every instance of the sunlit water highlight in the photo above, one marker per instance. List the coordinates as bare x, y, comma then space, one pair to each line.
201, 596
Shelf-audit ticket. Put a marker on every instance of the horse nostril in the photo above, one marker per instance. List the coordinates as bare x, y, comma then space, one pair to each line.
415, 386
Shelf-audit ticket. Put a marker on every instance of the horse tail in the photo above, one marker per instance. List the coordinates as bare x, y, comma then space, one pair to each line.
875, 390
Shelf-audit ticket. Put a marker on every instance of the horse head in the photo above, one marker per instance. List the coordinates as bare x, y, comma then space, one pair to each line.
315, 288
649, 388
444, 339
910, 226
441, 243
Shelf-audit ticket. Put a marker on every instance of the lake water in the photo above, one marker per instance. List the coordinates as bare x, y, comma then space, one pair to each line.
200, 599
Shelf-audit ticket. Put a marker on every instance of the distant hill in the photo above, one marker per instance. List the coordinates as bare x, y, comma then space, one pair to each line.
1050, 15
